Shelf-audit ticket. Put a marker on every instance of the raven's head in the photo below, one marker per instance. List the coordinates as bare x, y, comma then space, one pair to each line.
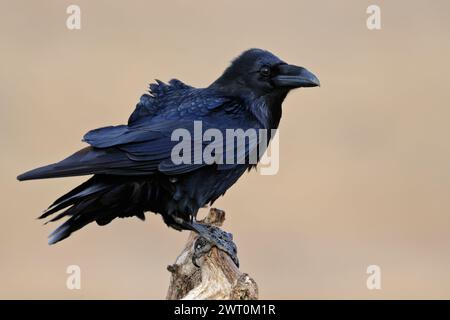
263, 81
259, 72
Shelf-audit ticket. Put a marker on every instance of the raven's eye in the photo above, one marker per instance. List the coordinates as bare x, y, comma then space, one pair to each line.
265, 71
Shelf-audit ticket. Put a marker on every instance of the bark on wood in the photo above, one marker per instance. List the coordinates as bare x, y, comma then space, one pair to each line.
217, 276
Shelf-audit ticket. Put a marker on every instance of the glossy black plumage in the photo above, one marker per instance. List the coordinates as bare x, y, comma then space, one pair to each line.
131, 164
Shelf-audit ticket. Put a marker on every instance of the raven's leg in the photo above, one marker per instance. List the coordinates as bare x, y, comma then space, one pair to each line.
210, 236
213, 236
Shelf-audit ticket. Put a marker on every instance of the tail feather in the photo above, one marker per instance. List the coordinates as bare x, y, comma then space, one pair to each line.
59, 234
80, 216
73, 210
88, 188
100, 199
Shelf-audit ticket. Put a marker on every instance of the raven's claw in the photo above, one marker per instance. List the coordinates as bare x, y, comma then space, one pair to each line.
210, 236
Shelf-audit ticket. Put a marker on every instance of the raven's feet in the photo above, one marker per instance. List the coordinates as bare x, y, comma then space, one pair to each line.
210, 236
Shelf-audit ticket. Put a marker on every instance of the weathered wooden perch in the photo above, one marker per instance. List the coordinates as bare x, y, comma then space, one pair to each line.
217, 276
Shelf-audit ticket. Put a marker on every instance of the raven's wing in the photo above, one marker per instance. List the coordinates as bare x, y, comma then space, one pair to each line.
144, 146
161, 97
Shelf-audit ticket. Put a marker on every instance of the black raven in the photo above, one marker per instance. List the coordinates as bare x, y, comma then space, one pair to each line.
133, 171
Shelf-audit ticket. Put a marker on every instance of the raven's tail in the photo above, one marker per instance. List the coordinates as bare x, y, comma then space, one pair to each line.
100, 199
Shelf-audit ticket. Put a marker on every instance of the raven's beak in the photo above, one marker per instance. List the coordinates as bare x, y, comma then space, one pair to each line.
291, 76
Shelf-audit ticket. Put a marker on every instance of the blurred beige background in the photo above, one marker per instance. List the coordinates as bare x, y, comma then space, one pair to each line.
365, 160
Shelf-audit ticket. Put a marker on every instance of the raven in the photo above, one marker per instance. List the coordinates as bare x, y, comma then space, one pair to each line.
132, 167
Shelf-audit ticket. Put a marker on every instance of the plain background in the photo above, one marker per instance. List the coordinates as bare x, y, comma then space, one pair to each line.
365, 159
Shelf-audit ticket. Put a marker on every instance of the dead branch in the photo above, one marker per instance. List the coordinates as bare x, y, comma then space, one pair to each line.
217, 276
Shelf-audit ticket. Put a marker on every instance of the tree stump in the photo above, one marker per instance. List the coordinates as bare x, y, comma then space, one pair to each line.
216, 277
